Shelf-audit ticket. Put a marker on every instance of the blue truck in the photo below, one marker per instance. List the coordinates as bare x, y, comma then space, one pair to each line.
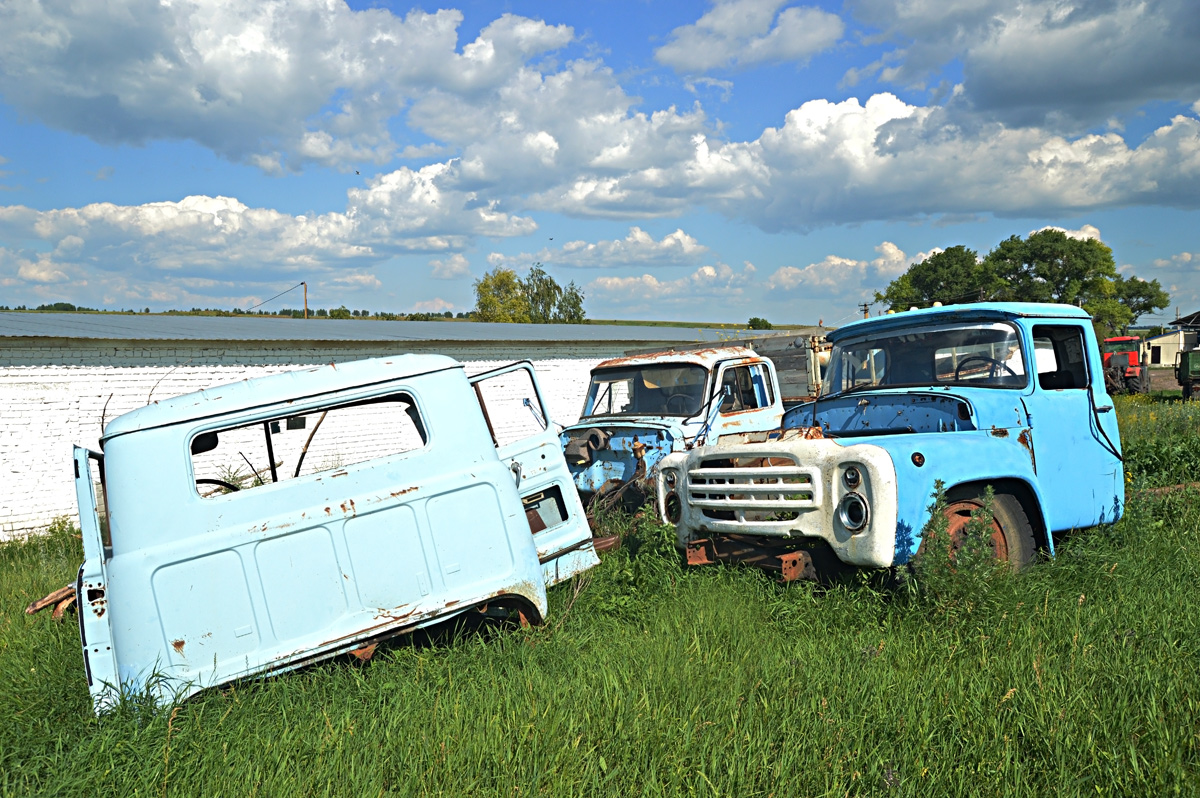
1007, 395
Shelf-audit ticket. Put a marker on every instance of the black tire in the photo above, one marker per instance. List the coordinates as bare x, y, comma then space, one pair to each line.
1011, 522
1187, 391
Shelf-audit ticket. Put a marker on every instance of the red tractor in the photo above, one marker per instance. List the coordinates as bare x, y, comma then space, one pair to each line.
1125, 367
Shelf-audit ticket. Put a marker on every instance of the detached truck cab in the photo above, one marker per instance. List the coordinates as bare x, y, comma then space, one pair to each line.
259, 526
1009, 395
641, 408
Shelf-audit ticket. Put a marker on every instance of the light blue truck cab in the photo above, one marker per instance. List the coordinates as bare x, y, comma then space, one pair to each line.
1003, 394
643, 407
273, 522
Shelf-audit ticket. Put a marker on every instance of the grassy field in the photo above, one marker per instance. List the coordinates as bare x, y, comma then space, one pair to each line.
1077, 677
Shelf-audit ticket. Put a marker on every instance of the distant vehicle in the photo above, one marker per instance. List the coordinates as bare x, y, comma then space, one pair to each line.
274, 522
1187, 371
1126, 366
1007, 395
643, 407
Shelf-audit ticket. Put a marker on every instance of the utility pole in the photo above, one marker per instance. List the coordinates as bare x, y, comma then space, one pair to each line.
865, 307
305, 298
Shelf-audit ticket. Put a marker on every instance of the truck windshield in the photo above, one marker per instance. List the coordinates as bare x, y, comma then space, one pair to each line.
658, 390
980, 355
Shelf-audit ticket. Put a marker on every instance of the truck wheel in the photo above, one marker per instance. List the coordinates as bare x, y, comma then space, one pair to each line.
1012, 533
1187, 391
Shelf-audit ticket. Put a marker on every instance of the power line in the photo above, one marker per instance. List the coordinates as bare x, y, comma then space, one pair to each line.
281, 293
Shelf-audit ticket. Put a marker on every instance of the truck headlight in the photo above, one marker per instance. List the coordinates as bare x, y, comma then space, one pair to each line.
852, 477
853, 512
670, 478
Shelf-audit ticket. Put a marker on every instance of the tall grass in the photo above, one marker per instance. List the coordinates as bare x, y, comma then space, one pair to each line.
1077, 676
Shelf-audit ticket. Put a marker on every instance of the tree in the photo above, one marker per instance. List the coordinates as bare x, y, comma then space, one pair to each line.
756, 323
952, 276
1048, 266
502, 296
340, 313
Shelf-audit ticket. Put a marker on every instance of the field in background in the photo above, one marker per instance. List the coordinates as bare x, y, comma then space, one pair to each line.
1078, 676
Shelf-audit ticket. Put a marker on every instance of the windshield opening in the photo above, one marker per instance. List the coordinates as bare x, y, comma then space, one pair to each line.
980, 355
666, 390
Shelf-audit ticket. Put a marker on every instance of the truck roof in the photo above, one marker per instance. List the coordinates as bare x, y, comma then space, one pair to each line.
273, 388
977, 311
707, 357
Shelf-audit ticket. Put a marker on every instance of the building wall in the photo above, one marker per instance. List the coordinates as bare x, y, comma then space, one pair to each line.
55, 393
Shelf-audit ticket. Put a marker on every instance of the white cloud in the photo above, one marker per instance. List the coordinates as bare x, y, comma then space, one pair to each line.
222, 239
744, 32
705, 287
637, 249
274, 84
435, 305
451, 268
1043, 62
1083, 234
844, 278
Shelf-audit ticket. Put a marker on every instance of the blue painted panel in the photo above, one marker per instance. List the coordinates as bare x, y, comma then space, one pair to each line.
205, 610
387, 558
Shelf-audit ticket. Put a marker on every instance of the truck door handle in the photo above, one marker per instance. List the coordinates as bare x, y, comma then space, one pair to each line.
516, 469
1104, 409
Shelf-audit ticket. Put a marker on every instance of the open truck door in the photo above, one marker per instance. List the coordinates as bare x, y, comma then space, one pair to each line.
528, 444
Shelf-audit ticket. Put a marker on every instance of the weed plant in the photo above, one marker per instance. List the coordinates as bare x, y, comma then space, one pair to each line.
1078, 676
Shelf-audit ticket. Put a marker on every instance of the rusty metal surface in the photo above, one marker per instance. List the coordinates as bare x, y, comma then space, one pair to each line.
790, 564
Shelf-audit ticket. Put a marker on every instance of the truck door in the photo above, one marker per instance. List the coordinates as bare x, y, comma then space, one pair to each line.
527, 442
1074, 428
95, 633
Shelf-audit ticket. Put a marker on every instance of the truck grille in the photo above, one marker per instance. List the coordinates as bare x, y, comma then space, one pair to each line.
758, 489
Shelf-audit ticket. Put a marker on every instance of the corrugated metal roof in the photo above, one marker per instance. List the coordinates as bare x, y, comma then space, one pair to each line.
136, 327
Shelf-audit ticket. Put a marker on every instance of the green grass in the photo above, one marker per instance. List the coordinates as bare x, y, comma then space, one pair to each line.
1077, 677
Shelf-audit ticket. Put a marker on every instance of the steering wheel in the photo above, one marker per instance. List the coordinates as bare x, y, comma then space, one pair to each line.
219, 482
985, 359
682, 400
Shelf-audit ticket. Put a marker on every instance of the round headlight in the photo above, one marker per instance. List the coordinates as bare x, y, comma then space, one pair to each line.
852, 477
852, 512
670, 479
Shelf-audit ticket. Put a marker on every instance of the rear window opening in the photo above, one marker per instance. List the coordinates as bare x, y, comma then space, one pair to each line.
234, 459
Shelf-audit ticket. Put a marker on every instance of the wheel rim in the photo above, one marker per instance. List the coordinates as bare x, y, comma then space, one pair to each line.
958, 514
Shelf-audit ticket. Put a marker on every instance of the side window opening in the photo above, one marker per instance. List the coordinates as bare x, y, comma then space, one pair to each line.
251, 455
1061, 357
513, 410
742, 394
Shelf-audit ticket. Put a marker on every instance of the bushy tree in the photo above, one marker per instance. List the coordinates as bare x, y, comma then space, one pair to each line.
757, 323
501, 296
1048, 266
342, 312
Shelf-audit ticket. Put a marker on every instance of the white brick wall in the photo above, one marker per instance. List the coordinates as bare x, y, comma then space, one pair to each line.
54, 396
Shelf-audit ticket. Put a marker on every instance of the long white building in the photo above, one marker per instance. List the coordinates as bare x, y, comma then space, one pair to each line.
63, 375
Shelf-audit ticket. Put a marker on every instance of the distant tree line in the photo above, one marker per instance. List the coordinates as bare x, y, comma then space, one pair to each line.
1048, 266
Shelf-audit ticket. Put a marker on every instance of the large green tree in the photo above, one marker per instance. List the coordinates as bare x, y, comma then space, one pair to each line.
951, 276
1048, 266
538, 298
500, 296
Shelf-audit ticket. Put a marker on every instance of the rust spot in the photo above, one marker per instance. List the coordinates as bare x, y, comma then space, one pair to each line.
352, 508
344, 508
338, 474
998, 432
398, 493
178, 646
328, 511
1026, 440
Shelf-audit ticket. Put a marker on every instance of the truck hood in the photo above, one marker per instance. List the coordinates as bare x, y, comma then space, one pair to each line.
883, 412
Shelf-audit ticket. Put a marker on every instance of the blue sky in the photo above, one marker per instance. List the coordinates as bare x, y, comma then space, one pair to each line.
675, 160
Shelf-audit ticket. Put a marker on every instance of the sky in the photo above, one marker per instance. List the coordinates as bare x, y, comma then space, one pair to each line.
675, 160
